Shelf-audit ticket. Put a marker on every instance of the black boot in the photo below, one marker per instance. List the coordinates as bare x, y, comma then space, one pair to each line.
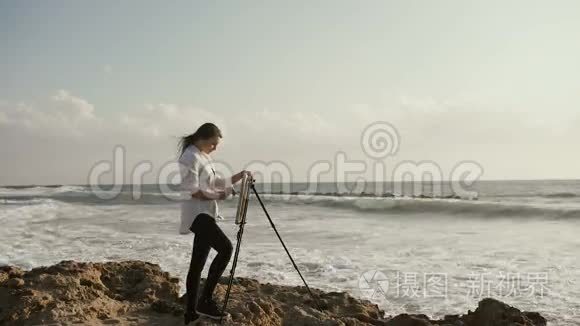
191, 317
210, 309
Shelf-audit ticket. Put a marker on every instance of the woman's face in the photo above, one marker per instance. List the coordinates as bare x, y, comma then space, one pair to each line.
210, 145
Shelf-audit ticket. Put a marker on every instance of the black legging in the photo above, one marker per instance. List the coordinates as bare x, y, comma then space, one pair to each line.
207, 235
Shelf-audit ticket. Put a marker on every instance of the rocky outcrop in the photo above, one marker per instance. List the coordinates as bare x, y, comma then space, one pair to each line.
140, 293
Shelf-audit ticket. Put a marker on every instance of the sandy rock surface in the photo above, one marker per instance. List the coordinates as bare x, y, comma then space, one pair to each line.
140, 293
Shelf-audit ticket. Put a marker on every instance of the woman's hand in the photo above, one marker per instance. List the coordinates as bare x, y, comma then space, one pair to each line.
222, 195
238, 176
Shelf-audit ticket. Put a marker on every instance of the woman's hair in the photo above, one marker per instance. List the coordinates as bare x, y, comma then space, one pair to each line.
205, 131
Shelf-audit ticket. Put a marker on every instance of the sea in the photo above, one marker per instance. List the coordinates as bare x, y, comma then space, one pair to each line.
407, 248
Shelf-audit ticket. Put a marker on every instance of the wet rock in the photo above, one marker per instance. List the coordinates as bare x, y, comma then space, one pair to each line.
140, 293
14, 283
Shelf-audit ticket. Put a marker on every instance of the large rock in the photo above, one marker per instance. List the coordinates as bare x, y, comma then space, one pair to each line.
82, 292
491, 312
140, 293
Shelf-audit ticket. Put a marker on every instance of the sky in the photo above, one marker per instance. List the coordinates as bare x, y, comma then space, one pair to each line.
293, 82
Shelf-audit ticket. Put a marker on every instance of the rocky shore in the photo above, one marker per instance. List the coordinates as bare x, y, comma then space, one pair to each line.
140, 293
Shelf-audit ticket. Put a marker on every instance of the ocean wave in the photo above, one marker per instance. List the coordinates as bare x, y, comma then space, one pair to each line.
83, 194
431, 206
88, 198
466, 196
31, 187
389, 203
23, 201
39, 190
561, 195
537, 195
80, 195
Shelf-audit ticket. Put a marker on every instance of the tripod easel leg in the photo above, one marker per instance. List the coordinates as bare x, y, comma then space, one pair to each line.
239, 241
233, 270
286, 249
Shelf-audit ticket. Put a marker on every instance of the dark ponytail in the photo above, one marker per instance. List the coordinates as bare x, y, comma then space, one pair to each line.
205, 131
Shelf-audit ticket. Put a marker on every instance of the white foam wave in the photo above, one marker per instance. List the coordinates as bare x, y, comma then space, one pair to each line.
447, 206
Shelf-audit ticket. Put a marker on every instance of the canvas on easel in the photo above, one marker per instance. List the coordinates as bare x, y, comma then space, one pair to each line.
243, 200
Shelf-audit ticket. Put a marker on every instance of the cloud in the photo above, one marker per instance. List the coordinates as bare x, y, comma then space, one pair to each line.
65, 114
59, 138
428, 120
71, 131
461, 122
162, 120
295, 125
62, 115
73, 107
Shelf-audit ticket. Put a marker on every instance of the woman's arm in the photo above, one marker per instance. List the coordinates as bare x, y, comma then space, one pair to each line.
221, 182
209, 195
190, 167
238, 176
222, 190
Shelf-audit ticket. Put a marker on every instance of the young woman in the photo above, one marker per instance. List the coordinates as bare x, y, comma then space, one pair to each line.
201, 189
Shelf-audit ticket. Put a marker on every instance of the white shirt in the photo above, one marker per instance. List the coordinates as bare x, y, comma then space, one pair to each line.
197, 173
